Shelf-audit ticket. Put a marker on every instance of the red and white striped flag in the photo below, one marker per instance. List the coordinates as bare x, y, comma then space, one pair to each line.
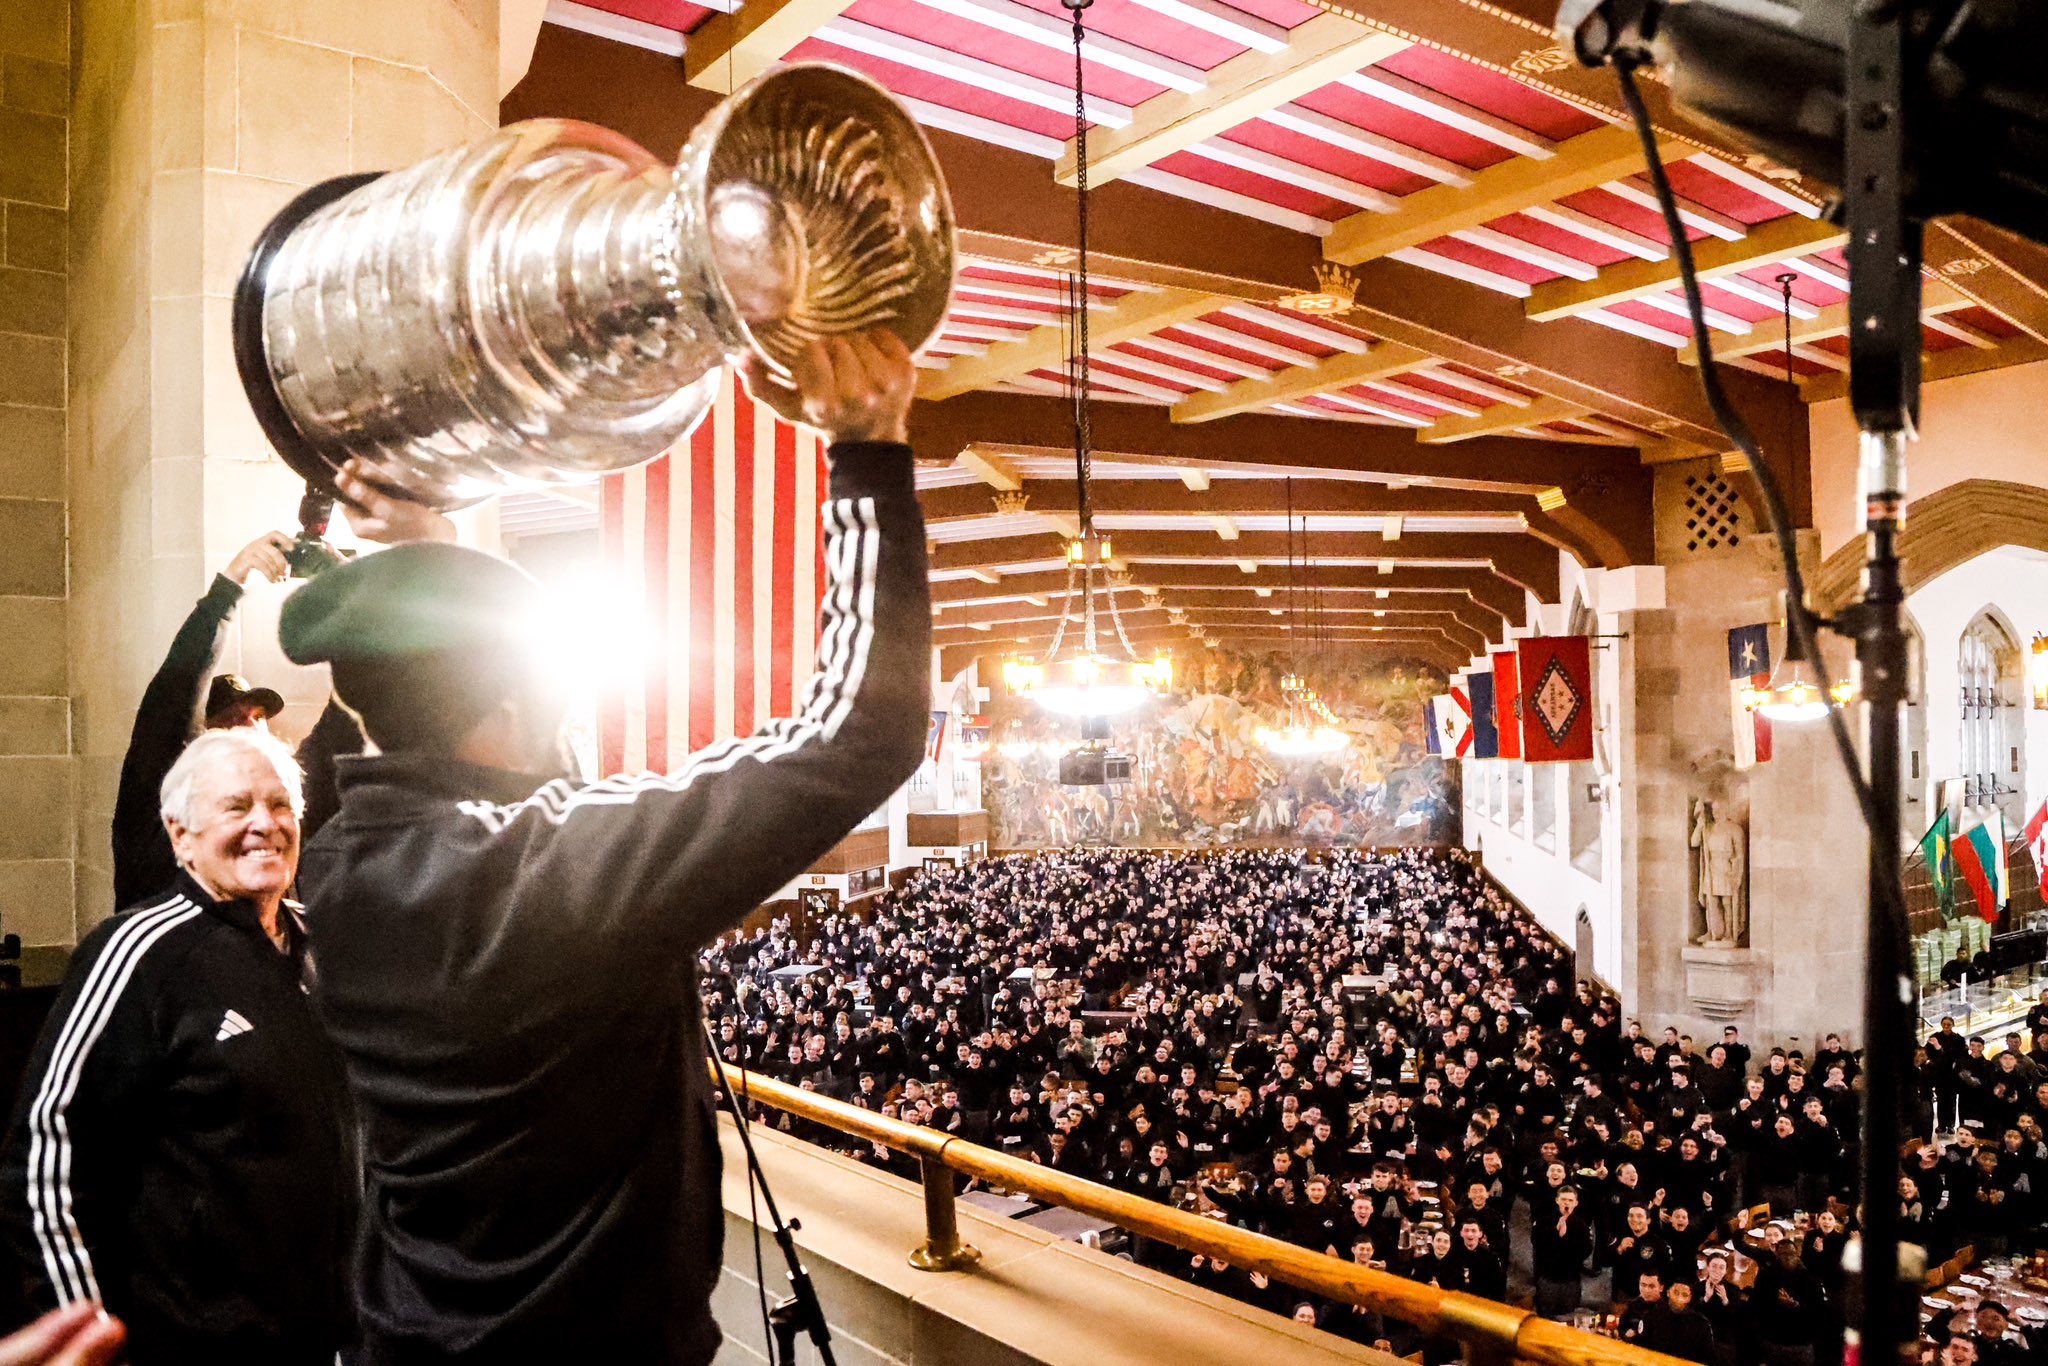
717, 547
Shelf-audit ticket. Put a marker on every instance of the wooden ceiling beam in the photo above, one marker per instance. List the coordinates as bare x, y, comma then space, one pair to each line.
1938, 298
1586, 161
1521, 560
1226, 497
2004, 272
728, 50
1240, 89
1338, 372
1627, 280
1480, 586
1497, 419
1134, 316
1608, 487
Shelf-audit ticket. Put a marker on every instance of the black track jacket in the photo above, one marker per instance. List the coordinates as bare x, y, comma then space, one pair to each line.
509, 968
181, 1147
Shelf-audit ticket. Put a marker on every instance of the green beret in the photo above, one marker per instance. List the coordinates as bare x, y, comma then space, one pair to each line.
420, 598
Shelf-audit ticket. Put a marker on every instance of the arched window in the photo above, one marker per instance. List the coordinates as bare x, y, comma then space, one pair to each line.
1989, 675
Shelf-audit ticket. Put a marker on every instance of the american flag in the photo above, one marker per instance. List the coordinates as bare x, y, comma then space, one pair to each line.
718, 547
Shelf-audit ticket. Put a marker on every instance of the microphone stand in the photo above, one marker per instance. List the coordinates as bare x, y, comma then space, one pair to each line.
800, 1312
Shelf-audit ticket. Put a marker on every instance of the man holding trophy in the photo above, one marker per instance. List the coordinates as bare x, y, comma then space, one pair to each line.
505, 958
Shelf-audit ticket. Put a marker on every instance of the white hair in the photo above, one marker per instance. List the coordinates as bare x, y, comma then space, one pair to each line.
215, 745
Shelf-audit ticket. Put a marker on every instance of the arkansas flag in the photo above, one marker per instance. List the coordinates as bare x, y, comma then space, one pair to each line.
1507, 703
1556, 674
1749, 665
2037, 845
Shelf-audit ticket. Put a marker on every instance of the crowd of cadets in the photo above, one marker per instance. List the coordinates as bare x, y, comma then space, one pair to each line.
1139, 1018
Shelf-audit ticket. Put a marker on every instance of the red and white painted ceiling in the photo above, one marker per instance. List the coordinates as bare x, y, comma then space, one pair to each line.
1448, 136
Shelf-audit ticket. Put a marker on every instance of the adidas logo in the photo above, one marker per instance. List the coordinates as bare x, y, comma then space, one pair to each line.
232, 1024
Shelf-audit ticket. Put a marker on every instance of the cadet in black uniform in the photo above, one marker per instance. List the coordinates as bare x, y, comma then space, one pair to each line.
507, 961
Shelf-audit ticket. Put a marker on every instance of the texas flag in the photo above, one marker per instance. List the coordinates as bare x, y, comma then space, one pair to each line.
1749, 665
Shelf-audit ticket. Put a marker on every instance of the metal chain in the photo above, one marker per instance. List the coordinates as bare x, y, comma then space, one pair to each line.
1083, 437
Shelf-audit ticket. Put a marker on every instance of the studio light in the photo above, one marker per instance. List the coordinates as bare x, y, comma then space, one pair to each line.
1772, 76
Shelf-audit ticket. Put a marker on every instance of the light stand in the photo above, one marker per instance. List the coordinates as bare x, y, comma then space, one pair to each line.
1884, 256
1884, 390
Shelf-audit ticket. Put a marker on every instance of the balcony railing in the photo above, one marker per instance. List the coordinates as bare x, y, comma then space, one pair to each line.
1490, 1334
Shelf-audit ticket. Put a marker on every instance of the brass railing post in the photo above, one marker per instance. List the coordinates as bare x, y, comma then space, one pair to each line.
1486, 1331
942, 1250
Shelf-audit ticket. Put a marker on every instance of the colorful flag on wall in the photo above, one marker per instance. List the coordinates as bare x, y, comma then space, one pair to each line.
935, 736
2037, 845
1485, 732
1432, 741
1941, 868
1556, 674
1507, 703
716, 547
1452, 714
1980, 864
1749, 665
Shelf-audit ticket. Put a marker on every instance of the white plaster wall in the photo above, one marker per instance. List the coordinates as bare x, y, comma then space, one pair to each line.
1544, 879
2015, 582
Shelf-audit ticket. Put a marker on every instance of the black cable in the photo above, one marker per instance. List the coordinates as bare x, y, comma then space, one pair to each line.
1801, 625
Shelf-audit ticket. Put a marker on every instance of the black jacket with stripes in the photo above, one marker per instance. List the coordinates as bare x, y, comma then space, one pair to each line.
509, 968
180, 1149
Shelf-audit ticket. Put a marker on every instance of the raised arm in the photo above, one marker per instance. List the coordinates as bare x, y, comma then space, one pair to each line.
164, 720
681, 856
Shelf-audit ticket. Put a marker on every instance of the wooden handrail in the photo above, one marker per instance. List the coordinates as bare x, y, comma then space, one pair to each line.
1490, 1332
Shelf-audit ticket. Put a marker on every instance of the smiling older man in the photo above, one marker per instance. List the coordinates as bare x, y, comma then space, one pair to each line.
180, 1151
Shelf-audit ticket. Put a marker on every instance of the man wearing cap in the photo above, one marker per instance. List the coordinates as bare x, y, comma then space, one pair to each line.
507, 960
164, 718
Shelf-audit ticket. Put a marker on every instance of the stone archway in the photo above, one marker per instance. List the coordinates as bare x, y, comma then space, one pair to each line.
1943, 530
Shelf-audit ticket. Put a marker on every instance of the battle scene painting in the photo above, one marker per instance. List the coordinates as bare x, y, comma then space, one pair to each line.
1201, 777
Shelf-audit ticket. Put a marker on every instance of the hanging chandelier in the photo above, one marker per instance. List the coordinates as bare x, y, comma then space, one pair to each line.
1308, 726
1793, 695
1099, 672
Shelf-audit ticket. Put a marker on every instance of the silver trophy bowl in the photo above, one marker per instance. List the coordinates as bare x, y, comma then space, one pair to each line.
553, 303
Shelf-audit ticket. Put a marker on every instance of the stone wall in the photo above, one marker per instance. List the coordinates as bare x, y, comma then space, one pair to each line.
1801, 973
196, 121
35, 712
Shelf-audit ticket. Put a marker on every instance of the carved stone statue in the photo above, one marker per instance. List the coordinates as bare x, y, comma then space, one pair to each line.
1721, 871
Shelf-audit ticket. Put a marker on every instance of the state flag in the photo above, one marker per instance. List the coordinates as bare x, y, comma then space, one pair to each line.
1452, 713
935, 736
1485, 732
1429, 725
1507, 703
1749, 666
1556, 675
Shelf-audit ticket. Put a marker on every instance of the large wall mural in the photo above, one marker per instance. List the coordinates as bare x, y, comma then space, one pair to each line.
1201, 778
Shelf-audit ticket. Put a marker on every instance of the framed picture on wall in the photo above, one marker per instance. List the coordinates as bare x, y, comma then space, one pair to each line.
939, 865
865, 881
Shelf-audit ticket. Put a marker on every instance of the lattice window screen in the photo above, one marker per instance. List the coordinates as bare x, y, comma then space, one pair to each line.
1712, 520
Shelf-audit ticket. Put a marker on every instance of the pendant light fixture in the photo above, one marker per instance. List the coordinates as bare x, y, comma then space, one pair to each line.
1099, 673
1793, 695
1308, 726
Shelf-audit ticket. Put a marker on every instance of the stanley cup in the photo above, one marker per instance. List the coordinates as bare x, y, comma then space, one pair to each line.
553, 303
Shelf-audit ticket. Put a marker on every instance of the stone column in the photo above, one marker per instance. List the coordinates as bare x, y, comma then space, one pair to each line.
197, 120
35, 713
